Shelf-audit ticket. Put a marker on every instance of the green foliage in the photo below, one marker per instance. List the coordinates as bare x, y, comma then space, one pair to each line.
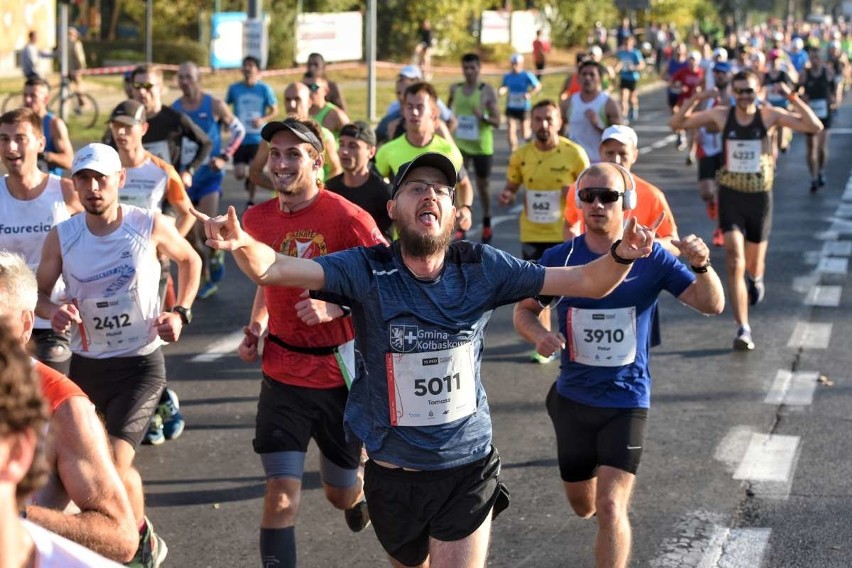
452, 22
571, 20
99, 53
684, 13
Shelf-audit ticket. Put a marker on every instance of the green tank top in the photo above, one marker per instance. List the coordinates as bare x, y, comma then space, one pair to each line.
474, 137
320, 116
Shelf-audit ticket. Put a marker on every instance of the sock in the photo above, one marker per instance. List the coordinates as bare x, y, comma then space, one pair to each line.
278, 547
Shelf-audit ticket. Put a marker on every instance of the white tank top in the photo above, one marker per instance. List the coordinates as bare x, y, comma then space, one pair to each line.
24, 225
54, 551
114, 282
145, 186
710, 142
580, 130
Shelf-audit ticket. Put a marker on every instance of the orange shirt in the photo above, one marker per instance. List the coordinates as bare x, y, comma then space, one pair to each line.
650, 201
56, 387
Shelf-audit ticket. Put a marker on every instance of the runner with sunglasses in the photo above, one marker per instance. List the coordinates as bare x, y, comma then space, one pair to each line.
324, 112
745, 183
600, 400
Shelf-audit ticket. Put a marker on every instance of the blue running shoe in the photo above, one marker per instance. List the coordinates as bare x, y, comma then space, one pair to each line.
217, 266
154, 436
207, 289
169, 411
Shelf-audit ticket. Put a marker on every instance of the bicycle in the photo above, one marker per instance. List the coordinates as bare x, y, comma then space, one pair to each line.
81, 109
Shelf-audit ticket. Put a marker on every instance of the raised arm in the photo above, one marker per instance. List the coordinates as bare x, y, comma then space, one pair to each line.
686, 118
259, 262
599, 278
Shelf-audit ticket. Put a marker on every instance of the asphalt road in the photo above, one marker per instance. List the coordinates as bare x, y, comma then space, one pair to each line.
747, 458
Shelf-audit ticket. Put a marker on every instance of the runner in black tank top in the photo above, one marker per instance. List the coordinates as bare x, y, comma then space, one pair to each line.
817, 85
745, 182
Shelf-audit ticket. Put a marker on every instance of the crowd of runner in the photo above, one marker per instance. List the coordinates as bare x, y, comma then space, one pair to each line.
371, 305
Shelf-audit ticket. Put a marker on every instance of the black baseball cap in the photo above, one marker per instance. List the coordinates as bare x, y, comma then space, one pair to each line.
429, 159
295, 126
128, 112
360, 130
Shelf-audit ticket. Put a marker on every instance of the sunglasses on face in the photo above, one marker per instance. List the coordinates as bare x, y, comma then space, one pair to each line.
313, 87
588, 195
140, 86
748, 91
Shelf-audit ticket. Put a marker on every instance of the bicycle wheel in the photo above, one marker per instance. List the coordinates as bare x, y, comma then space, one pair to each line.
12, 101
81, 111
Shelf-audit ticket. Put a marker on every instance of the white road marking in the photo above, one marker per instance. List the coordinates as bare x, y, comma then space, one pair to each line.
513, 215
693, 539
804, 284
768, 458
651, 128
222, 347
844, 210
810, 335
841, 130
840, 225
837, 248
827, 236
824, 296
833, 265
731, 449
735, 548
792, 389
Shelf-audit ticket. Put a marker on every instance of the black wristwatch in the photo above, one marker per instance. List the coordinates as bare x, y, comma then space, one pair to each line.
184, 313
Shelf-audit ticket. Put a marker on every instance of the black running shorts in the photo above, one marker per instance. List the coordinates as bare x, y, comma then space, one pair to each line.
245, 153
409, 507
124, 390
708, 166
289, 416
590, 436
748, 213
533, 251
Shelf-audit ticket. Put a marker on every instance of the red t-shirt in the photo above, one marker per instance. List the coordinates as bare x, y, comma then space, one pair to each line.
689, 80
329, 224
56, 387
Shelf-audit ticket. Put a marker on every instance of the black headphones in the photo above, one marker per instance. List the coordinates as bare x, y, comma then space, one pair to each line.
629, 195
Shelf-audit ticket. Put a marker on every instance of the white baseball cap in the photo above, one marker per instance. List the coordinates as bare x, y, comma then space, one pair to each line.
696, 55
798, 43
411, 72
98, 157
621, 133
596, 50
720, 53
516, 58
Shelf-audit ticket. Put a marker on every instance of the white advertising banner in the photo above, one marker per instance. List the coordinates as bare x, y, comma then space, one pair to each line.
338, 37
494, 27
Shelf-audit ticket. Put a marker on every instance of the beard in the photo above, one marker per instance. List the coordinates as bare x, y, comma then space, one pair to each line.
421, 246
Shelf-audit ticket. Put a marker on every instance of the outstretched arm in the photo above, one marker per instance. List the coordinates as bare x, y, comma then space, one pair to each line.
260, 263
599, 278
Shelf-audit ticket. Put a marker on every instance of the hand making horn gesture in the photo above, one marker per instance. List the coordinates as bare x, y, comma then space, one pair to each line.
638, 240
223, 232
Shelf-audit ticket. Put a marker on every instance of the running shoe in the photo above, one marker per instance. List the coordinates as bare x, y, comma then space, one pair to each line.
743, 342
821, 179
154, 436
680, 143
487, 235
358, 517
814, 186
712, 210
217, 266
169, 411
718, 238
459, 235
537, 357
152, 549
207, 289
756, 290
